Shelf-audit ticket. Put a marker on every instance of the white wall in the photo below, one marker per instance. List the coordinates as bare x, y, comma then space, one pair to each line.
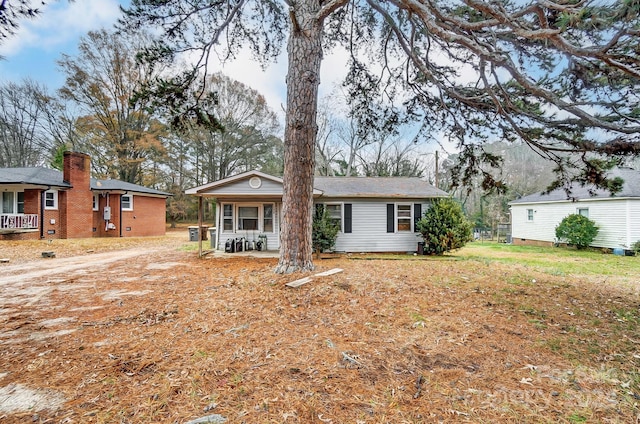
610, 215
369, 228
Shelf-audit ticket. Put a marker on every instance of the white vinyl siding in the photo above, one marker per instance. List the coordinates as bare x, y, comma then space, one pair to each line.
614, 218
369, 228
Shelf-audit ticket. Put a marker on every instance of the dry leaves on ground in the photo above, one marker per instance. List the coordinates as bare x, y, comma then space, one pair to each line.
167, 338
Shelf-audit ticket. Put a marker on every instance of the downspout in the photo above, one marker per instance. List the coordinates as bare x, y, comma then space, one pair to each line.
120, 230
42, 211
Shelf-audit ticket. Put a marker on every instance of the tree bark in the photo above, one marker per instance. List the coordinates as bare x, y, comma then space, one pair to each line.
305, 56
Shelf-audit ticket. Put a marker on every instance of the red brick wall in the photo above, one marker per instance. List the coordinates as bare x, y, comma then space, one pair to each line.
76, 213
98, 216
148, 217
527, 242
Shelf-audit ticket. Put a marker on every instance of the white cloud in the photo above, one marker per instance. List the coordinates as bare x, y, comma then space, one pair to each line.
59, 23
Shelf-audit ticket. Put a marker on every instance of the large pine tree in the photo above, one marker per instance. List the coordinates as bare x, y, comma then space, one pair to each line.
561, 76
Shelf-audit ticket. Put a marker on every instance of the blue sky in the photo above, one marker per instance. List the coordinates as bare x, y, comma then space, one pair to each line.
39, 43
33, 51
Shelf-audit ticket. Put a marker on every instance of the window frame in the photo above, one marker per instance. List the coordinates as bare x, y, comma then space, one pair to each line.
579, 212
341, 205
96, 202
54, 200
12, 202
409, 218
239, 218
126, 208
230, 217
530, 215
273, 218
19, 202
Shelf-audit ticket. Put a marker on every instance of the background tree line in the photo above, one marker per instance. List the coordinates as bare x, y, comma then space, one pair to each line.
98, 112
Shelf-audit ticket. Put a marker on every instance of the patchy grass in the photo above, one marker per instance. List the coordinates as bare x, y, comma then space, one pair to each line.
479, 337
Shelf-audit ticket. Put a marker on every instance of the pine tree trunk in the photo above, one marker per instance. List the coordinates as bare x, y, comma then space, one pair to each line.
303, 78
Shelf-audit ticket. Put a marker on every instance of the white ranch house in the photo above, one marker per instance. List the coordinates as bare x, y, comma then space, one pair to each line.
535, 217
375, 214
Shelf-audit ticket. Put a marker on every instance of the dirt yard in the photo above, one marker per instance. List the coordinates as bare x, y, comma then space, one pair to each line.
146, 332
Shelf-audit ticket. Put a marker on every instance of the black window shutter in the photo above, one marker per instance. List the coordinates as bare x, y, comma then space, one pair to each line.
417, 214
391, 216
348, 215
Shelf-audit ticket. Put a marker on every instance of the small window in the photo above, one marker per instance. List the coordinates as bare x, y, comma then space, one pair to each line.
404, 217
20, 203
267, 219
95, 201
227, 217
584, 212
51, 199
530, 215
335, 213
126, 202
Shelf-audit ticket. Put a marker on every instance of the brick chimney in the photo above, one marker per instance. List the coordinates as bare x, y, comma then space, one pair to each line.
76, 204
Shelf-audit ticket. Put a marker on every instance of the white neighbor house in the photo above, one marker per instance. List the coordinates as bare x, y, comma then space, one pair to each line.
534, 218
375, 214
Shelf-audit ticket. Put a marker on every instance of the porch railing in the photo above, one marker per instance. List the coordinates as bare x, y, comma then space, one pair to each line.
18, 221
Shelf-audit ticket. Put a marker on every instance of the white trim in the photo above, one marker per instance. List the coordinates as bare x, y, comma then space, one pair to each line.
14, 202
341, 204
96, 202
54, 199
530, 217
255, 182
130, 207
397, 217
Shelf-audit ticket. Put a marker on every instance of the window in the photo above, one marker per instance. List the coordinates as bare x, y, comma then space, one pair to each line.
584, 212
529, 214
267, 218
96, 198
335, 213
51, 199
126, 202
7, 202
227, 217
404, 217
20, 201
247, 218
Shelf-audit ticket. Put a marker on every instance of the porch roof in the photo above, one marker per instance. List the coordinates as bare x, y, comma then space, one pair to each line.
45, 178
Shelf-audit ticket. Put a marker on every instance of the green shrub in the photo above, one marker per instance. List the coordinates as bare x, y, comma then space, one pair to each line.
325, 230
636, 247
444, 227
577, 230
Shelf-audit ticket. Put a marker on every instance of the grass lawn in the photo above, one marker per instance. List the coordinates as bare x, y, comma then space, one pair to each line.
490, 333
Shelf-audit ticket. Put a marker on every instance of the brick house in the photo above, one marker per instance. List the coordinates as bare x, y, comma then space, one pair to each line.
42, 203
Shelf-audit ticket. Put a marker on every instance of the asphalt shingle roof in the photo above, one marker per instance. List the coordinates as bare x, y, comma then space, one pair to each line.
51, 177
401, 187
631, 188
35, 176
